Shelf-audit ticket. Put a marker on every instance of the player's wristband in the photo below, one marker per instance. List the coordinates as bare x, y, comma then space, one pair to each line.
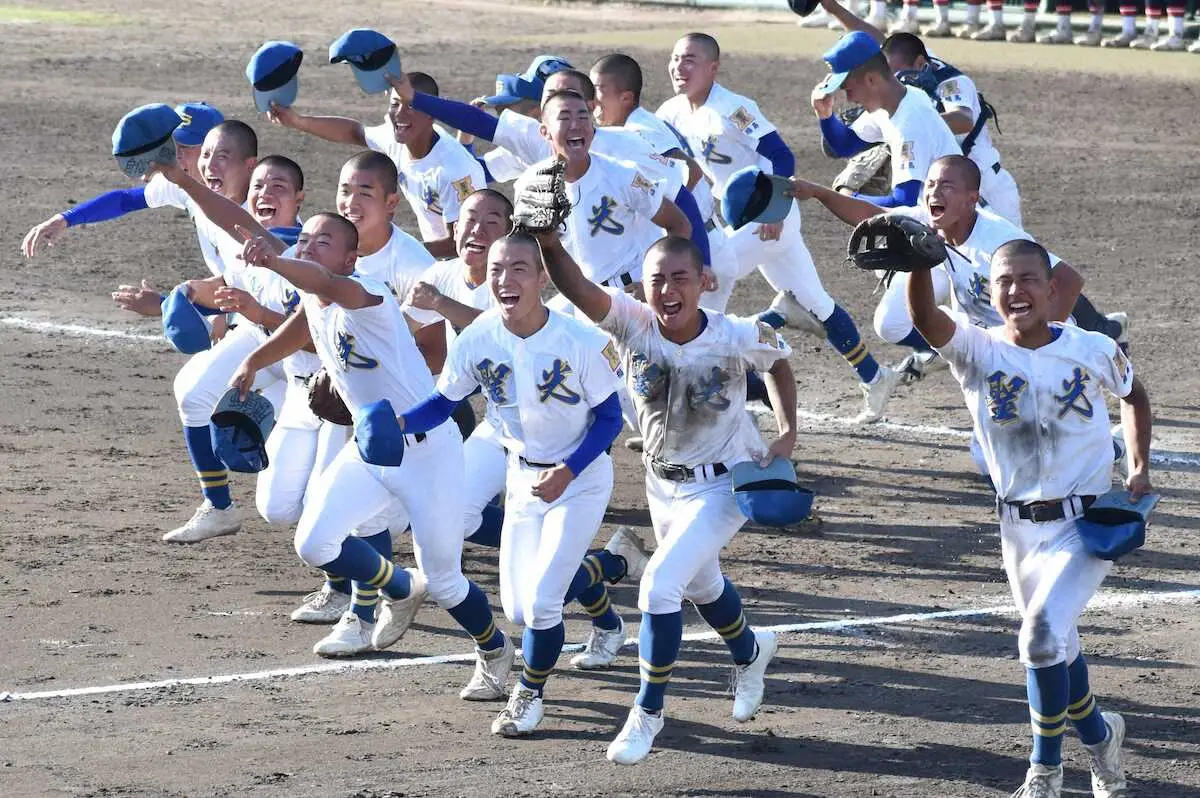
604, 429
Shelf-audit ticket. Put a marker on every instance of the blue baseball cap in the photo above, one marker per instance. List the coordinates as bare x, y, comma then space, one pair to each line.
371, 56
183, 325
1114, 526
378, 436
543, 67
198, 119
769, 495
272, 72
851, 51
752, 195
513, 88
239, 431
143, 136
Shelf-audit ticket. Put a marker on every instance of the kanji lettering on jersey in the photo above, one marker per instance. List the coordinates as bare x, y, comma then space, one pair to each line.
1073, 396
601, 219
648, 376
493, 376
1003, 393
710, 152
429, 196
553, 384
349, 358
710, 391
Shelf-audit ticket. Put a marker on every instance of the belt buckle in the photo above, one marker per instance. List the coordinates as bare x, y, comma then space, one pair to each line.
1041, 512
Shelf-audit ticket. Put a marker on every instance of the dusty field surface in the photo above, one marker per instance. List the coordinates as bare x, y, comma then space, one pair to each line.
859, 703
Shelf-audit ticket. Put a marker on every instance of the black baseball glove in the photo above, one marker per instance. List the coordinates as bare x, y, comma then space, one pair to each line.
891, 243
325, 401
542, 202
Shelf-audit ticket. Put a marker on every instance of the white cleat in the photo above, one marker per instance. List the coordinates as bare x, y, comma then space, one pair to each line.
323, 606
636, 737
1041, 782
919, 365
628, 545
1058, 36
1169, 44
748, 678
602, 648
796, 315
1122, 40
1108, 772
1025, 34
1145, 42
207, 522
1195, 48
907, 25
1122, 337
817, 19
396, 615
940, 30
990, 33
969, 30
522, 715
877, 394
349, 637
491, 674
1090, 39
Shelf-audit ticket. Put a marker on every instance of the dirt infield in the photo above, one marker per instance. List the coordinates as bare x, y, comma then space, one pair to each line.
859, 702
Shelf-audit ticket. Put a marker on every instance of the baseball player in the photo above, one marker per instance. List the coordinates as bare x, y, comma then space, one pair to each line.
1149, 40
436, 172
1034, 391
551, 382
686, 370
198, 119
729, 132
363, 341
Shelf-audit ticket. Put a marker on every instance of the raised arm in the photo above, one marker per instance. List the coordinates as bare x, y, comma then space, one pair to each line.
309, 277
850, 210
592, 300
337, 129
288, 338
220, 210
458, 115
930, 320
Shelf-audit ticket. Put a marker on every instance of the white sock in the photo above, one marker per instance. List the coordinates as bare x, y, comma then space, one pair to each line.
1176, 21
972, 14
910, 11
1029, 18
879, 9
1097, 22
1064, 22
941, 12
998, 17
1128, 25
1152, 26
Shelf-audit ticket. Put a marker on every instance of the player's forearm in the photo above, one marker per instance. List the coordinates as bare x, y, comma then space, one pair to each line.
1068, 284
843, 141
781, 390
904, 195
455, 312
222, 211
431, 413
774, 149
270, 319
109, 205
441, 248
312, 278
203, 292
458, 115
959, 121
337, 129
931, 321
604, 429
1135, 424
688, 207
289, 337
850, 210
570, 280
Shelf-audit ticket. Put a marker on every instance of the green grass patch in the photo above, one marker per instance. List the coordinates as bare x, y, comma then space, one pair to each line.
26, 15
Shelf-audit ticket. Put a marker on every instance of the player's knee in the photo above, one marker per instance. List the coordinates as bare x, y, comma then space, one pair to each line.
706, 591
274, 510
314, 549
1039, 643
544, 612
448, 589
890, 325
658, 593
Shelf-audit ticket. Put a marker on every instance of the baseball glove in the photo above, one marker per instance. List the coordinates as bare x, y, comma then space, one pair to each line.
869, 172
326, 402
891, 243
542, 202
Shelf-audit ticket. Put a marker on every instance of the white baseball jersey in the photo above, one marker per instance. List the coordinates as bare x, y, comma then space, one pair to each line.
399, 265
1039, 414
613, 204
970, 263
916, 135
436, 185
450, 278
960, 93
287, 298
654, 130
543, 387
369, 352
521, 135
503, 165
160, 192
723, 134
691, 398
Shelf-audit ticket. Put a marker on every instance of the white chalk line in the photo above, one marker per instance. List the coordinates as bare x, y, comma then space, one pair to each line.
34, 325
1099, 602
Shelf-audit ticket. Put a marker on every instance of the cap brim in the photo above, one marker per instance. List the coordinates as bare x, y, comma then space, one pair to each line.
375, 81
781, 201
833, 81
138, 165
284, 96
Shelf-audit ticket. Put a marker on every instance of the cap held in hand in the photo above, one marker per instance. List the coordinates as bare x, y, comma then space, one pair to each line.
273, 74
752, 195
371, 56
769, 495
143, 137
240, 428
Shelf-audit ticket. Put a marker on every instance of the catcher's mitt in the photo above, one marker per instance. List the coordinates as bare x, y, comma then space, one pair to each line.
891, 243
869, 172
326, 402
542, 202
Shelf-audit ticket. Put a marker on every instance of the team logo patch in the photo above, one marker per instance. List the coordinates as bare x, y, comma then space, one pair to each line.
648, 377
291, 300
949, 90
493, 378
1073, 396
640, 182
908, 158
349, 358
1123, 366
980, 289
710, 154
463, 188
186, 117
431, 199
767, 335
1003, 393
554, 383
709, 391
602, 220
612, 356
743, 119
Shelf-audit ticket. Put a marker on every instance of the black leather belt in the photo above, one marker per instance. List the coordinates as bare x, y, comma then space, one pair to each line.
710, 225
532, 464
1044, 511
681, 473
418, 438
996, 167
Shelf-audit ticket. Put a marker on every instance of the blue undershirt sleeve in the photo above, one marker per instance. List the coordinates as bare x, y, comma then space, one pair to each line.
106, 206
458, 115
487, 173
842, 139
429, 414
904, 195
606, 425
775, 150
687, 204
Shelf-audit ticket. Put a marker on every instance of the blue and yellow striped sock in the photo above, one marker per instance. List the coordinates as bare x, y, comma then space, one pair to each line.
474, 615
914, 340
540, 649
589, 590
490, 524
1082, 710
658, 648
843, 335
1047, 689
359, 561
338, 584
726, 617
214, 479
364, 601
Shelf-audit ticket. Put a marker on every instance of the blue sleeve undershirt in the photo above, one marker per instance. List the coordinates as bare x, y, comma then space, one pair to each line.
687, 204
606, 425
431, 413
775, 150
106, 206
487, 173
904, 195
458, 115
842, 139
